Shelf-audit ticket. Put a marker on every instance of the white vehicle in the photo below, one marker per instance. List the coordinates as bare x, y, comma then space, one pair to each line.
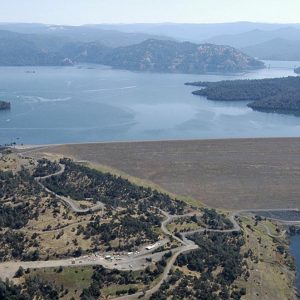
150, 247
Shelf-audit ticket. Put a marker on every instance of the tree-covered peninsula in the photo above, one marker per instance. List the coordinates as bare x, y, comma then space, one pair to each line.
273, 95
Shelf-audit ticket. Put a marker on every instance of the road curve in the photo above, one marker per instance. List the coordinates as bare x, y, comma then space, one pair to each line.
8, 269
67, 201
188, 245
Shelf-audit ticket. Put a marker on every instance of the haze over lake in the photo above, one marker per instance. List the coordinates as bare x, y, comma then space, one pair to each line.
94, 103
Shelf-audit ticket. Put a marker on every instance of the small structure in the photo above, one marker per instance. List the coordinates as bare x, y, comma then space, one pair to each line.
150, 247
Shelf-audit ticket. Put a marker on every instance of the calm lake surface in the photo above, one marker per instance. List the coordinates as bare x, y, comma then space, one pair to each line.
295, 250
95, 103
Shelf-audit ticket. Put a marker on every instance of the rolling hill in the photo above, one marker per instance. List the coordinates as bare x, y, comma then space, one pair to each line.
279, 44
255, 37
277, 49
197, 33
19, 49
83, 34
174, 57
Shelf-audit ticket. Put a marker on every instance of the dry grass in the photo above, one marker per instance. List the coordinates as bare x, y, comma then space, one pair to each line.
182, 226
270, 278
73, 279
230, 174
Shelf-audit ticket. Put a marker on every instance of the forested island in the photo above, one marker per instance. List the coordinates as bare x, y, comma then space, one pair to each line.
297, 70
4, 105
280, 95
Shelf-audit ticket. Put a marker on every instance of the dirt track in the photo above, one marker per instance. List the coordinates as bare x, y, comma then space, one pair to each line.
230, 174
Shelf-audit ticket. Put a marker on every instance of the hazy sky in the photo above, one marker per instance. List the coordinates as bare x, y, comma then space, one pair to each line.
147, 11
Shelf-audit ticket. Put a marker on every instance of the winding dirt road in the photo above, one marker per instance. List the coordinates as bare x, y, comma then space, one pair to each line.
66, 200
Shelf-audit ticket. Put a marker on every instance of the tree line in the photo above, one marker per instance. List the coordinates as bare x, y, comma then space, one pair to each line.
277, 94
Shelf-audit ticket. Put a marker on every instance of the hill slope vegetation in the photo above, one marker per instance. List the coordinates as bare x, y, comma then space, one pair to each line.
169, 56
17, 49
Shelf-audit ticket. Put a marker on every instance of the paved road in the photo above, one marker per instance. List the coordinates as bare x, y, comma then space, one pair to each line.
188, 245
280, 220
127, 262
66, 200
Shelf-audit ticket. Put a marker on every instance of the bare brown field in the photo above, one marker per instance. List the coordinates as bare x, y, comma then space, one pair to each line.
228, 174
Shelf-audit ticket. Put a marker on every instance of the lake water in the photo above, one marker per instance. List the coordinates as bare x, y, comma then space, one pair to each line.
95, 103
294, 248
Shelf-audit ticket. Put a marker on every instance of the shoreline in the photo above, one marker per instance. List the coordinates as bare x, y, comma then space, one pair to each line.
296, 259
32, 146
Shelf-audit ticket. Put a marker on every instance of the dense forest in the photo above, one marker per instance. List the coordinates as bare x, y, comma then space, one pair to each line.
19, 195
45, 167
80, 183
32, 288
219, 263
274, 95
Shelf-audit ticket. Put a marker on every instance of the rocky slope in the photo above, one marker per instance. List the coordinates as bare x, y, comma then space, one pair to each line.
174, 57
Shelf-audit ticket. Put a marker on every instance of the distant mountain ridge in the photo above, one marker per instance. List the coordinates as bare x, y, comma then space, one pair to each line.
277, 49
197, 33
150, 55
19, 49
255, 37
279, 44
83, 34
